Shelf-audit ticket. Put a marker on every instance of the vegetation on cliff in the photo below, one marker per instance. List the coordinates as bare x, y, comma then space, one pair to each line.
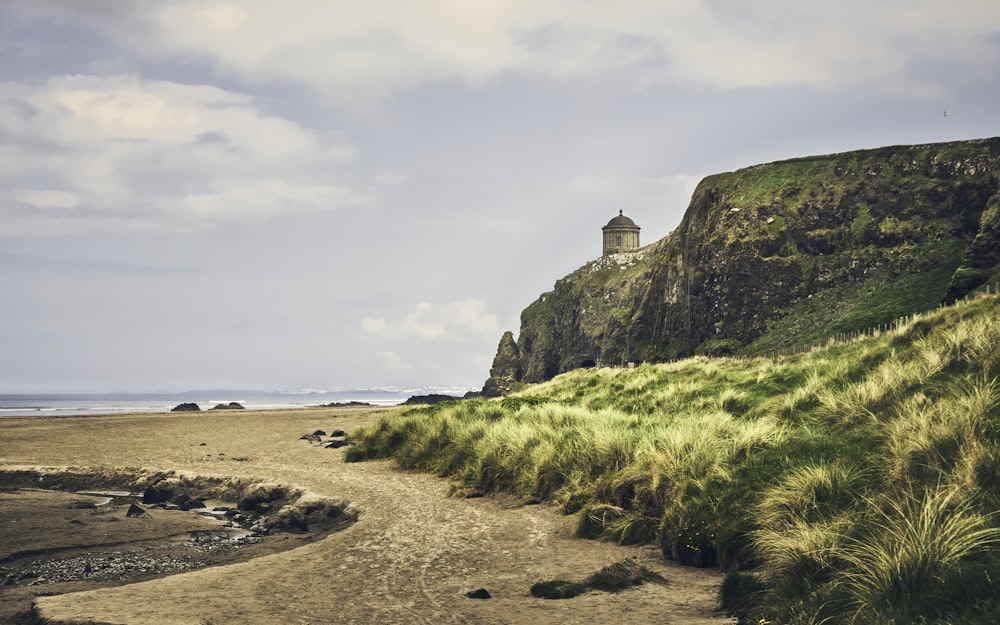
858, 481
779, 257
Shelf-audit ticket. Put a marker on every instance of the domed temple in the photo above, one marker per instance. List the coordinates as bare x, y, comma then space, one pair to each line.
620, 235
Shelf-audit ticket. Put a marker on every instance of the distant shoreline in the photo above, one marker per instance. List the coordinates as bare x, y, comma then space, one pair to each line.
55, 405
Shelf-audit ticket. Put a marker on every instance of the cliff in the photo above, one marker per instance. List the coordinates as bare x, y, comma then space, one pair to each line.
778, 257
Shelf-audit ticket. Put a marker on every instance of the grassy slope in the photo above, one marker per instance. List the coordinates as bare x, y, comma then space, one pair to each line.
857, 480
891, 210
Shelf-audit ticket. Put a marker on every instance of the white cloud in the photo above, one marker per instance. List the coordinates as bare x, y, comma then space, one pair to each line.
461, 320
373, 326
143, 154
394, 363
356, 54
44, 198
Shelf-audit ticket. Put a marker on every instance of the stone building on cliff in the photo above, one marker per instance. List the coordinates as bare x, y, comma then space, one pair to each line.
620, 235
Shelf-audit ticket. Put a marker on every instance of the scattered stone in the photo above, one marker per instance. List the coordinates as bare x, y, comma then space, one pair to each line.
337, 444
186, 407
337, 433
82, 505
319, 433
480, 593
135, 512
312, 438
233, 405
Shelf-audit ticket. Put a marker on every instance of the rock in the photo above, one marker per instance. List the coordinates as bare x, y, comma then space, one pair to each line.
428, 400
506, 369
135, 512
82, 505
186, 503
319, 433
312, 438
336, 433
479, 593
336, 444
161, 491
230, 406
186, 407
347, 404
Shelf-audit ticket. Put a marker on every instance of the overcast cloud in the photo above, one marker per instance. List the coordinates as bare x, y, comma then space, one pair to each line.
203, 194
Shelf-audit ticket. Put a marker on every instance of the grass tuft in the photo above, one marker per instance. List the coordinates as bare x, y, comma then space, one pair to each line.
623, 574
614, 577
557, 589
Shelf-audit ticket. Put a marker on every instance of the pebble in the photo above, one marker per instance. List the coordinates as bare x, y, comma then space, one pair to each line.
119, 565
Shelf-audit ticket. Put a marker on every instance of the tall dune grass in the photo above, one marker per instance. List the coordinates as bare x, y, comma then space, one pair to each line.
918, 559
839, 485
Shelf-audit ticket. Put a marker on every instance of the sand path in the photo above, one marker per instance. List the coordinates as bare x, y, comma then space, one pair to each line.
410, 558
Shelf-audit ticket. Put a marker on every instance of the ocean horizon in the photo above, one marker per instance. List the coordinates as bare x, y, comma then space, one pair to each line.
28, 404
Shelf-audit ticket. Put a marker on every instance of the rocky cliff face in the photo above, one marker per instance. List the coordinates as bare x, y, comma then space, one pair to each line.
778, 256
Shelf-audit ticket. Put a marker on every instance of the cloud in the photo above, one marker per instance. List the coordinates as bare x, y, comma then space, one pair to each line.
357, 54
462, 320
394, 363
43, 198
136, 154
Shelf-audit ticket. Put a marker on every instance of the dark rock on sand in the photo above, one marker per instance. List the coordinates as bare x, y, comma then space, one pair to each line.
230, 406
186, 407
135, 512
161, 491
319, 433
186, 503
336, 433
336, 444
480, 593
82, 505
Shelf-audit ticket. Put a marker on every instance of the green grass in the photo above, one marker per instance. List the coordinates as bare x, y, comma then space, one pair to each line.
856, 482
614, 577
853, 307
557, 589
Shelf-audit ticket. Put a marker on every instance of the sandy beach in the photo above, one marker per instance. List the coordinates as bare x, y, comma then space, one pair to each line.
410, 556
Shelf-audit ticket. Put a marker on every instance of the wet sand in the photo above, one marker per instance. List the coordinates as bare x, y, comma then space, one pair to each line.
410, 557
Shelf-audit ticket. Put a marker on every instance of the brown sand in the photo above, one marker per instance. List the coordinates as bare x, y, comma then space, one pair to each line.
410, 558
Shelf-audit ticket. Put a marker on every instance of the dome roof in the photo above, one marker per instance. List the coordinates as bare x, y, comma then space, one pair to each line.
621, 220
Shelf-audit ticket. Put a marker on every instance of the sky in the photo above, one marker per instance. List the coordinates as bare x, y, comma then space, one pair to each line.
329, 194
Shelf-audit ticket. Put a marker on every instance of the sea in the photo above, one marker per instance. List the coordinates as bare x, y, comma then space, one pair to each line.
111, 403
